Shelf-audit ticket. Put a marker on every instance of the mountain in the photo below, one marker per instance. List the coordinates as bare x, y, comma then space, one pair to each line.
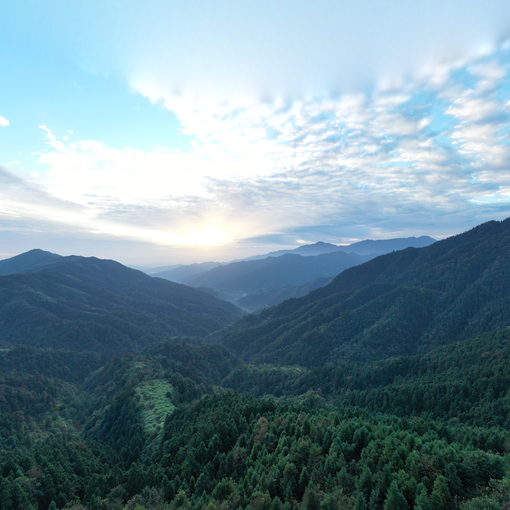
306, 250
237, 279
272, 297
267, 280
172, 426
382, 246
367, 247
98, 305
466, 380
182, 274
29, 261
401, 303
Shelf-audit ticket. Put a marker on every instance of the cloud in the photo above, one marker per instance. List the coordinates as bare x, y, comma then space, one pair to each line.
426, 155
4, 122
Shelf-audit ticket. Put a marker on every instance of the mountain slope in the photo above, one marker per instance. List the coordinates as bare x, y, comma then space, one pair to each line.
401, 303
466, 380
247, 277
98, 305
272, 297
306, 250
181, 274
28, 261
383, 246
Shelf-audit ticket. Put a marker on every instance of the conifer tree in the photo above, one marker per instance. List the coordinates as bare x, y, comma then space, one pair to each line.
395, 499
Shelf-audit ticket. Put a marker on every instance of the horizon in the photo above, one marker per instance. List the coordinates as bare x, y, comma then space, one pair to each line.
4, 256
176, 134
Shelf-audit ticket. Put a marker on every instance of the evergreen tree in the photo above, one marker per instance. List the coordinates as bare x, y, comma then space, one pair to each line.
441, 498
395, 500
422, 501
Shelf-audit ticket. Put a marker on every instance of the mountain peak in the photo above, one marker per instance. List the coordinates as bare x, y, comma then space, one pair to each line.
27, 261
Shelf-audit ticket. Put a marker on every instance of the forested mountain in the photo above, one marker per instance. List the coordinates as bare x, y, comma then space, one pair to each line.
152, 430
182, 274
382, 246
466, 380
238, 279
266, 298
178, 425
400, 303
28, 261
267, 280
100, 305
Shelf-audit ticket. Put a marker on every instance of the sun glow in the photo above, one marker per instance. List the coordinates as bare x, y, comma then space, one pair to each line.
210, 235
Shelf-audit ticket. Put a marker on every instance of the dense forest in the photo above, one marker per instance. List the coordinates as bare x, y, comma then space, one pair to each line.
200, 421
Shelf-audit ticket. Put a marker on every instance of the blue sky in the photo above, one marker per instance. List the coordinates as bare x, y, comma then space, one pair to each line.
161, 132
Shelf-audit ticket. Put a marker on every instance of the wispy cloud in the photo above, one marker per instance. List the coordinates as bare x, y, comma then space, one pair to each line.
426, 155
4, 122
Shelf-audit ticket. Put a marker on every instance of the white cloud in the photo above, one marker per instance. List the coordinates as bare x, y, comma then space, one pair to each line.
258, 168
4, 122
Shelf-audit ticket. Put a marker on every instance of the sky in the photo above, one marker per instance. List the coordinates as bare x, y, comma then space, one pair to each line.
159, 132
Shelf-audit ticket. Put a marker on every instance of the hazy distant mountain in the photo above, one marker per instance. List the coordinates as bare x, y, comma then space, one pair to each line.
182, 274
367, 247
306, 250
29, 261
237, 279
382, 246
269, 279
265, 298
400, 303
100, 305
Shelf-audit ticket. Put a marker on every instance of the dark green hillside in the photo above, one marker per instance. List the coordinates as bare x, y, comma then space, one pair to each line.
467, 381
232, 451
401, 303
246, 277
29, 261
70, 366
90, 304
172, 427
264, 299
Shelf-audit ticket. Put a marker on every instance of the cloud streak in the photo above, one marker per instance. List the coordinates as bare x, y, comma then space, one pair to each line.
406, 160
424, 154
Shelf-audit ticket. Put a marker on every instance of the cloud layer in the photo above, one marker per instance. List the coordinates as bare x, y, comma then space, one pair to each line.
319, 136
427, 156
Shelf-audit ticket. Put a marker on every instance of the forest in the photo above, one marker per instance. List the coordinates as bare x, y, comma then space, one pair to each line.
403, 414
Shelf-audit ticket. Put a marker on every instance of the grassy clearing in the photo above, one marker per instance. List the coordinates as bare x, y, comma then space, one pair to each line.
155, 400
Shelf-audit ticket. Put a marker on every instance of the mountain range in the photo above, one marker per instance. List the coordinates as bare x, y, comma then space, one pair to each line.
266, 280
385, 389
98, 305
400, 303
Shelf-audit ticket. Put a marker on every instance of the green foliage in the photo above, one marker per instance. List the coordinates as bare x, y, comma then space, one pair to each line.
89, 304
397, 304
154, 398
168, 428
466, 381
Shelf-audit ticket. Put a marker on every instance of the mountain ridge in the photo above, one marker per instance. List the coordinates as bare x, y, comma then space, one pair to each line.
86, 303
398, 303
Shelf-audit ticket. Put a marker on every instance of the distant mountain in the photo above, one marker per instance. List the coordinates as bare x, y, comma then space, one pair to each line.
234, 281
267, 280
29, 261
367, 247
382, 246
396, 304
182, 274
306, 250
99, 305
266, 298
